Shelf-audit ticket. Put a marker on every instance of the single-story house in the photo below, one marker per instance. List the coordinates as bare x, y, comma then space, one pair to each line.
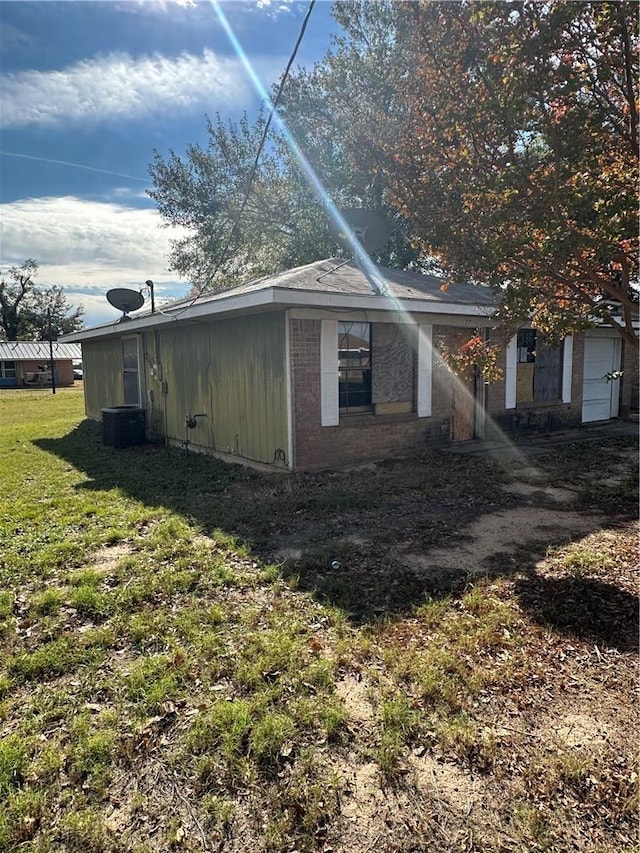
311, 368
26, 364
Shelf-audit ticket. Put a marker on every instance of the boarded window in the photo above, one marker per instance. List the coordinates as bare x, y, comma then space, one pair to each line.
539, 369
393, 379
547, 378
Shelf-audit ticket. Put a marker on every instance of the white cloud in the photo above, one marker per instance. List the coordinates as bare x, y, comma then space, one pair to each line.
88, 247
118, 86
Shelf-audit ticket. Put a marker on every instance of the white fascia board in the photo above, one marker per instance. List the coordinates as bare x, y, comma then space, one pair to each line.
373, 302
397, 318
510, 373
177, 314
283, 298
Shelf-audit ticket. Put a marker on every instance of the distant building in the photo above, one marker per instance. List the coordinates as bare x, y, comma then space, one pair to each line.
25, 364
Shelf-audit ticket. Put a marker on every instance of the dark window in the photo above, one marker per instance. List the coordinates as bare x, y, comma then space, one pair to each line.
354, 367
8, 369
526, 346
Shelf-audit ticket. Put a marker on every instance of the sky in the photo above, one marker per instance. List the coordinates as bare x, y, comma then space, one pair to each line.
88, 91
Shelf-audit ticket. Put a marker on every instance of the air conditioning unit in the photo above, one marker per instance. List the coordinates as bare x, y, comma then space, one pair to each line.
123, 426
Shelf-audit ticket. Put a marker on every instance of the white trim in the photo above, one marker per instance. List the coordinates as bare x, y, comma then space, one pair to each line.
355, 301
140, 367
510, 373
329, 397
289, 390
615, 383
279, 297
567, 369
425, 370
385, 316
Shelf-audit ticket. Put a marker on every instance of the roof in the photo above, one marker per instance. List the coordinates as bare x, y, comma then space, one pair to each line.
38, 351
331, 283
334, 276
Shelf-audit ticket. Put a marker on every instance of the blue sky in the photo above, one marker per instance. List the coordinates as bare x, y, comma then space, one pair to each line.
88, 91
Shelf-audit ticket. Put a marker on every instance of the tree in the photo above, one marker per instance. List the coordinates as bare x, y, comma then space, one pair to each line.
204, 192
334, 110
285, 221
513, 152
27, 313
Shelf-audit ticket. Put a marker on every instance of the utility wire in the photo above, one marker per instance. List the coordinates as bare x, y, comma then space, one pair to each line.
254, 168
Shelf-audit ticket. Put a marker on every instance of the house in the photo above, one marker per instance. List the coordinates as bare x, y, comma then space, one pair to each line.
25, 364
311, 368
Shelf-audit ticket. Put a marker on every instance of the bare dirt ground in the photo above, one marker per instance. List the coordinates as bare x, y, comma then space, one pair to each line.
577, 708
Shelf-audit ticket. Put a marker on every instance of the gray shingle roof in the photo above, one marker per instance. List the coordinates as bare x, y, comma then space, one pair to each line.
317, 284
323, 277
38, 351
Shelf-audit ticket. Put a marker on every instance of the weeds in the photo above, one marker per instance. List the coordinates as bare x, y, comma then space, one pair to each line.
185, 680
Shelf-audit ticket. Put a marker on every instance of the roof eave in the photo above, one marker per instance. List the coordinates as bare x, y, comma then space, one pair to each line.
283, 298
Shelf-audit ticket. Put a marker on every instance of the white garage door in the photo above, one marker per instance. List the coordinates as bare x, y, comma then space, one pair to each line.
599, 395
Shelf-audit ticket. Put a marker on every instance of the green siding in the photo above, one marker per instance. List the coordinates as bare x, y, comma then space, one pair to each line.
233, 371
102, 366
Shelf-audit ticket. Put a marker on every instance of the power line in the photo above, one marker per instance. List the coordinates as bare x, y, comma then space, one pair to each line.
254, 169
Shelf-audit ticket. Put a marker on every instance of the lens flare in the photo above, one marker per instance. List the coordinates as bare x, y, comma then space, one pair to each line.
483, 421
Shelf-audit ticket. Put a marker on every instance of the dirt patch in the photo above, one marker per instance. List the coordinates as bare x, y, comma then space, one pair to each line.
107, 558
581, 730
374, 817
549, 493
592, 721
497, 533
354, 693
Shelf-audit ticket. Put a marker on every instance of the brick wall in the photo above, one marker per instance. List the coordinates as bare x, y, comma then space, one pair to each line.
64, 371
364, 437
358, 438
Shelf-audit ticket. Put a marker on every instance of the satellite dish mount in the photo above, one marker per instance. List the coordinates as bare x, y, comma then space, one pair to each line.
125, 300
365, 230
370, 229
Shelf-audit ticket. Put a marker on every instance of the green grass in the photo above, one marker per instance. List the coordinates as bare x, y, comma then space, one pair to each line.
169, 682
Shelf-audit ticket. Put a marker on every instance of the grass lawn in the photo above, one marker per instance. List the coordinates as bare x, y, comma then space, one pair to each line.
432, 654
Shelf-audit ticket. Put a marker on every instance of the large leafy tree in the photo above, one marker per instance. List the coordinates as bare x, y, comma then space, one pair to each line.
334, 112
240, 220
28, 313
244, 221
499, 138
513, 151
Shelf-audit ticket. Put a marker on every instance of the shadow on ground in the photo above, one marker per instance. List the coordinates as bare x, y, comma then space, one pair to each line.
346, 537
586, 608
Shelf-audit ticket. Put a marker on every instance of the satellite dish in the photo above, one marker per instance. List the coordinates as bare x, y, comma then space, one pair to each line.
370, 228
125, 300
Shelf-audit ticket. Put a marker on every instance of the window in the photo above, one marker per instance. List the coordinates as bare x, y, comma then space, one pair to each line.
526, 346
130, 371
539, 369
354, 367
7, 370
